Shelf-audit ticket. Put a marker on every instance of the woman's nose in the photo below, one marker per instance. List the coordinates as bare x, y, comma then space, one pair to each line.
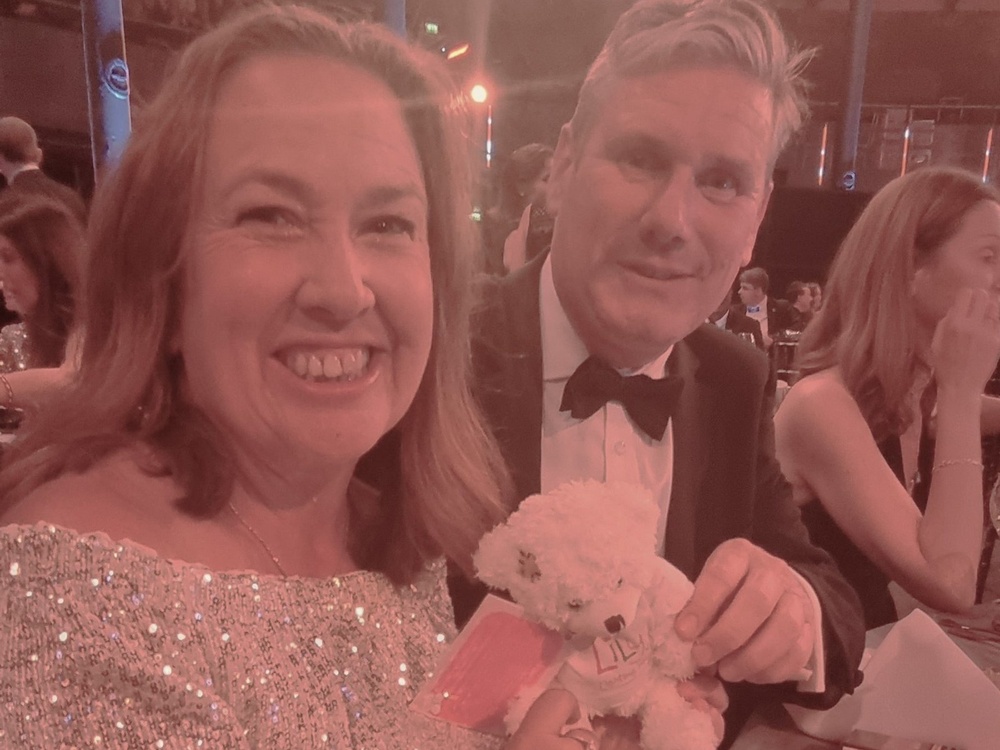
335, 285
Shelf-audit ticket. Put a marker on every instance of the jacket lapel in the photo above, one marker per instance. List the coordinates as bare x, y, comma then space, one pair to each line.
692, 450
512, 351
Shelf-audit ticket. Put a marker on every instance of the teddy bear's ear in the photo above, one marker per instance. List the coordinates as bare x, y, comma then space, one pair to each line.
527, 566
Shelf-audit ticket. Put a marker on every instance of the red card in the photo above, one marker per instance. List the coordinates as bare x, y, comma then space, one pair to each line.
497, 655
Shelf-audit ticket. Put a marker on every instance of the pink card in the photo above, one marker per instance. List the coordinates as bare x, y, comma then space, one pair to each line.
498, 654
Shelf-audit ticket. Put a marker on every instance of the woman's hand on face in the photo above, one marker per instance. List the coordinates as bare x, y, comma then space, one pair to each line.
966, 342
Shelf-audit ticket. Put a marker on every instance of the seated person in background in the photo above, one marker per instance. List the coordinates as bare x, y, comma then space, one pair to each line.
909, 328
522, 183
732, 318
774, 315
533, 233
21, 166
817, 295
41, 253
799, 296
275, 291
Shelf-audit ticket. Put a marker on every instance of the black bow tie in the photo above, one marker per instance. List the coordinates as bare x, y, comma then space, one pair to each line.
648, 402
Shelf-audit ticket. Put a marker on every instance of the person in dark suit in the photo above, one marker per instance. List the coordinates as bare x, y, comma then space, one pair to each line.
732, 318
659, 183
20, 164
773, 314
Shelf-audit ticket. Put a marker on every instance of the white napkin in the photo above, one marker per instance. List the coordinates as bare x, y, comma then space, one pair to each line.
918, 685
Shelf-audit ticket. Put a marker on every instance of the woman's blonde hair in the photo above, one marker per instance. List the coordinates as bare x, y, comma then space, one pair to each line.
867, 325
440, 475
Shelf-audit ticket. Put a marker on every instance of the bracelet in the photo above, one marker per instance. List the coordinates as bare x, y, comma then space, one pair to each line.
958, 462
10, 391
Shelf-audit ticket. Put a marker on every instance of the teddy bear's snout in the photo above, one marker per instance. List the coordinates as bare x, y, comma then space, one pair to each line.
614, 623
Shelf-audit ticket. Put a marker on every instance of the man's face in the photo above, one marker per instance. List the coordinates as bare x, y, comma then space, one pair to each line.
750, 294
657, 207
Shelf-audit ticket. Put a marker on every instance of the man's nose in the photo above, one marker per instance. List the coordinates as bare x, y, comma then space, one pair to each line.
666, 221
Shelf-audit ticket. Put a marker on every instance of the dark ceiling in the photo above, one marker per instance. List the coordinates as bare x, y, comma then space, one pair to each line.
919, 50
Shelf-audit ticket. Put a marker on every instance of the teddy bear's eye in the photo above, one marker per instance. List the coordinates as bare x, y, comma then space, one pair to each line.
575, 604
621, 582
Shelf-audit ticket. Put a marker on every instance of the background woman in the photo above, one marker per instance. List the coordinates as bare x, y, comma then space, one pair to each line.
41, 252
279, 289
909, 331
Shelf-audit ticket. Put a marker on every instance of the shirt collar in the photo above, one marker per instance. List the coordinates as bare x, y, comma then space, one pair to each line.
22, 168
562, 349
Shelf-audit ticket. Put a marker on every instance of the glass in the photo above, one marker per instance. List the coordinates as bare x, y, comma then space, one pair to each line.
748, 337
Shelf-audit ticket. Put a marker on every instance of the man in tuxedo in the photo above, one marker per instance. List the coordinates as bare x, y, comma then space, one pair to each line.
659, 184
773, 315
20, 164
732, 318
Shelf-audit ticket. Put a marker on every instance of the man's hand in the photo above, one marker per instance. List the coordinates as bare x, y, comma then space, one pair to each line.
749, 615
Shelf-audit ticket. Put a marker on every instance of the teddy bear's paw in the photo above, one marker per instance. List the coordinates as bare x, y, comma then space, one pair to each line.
671, 723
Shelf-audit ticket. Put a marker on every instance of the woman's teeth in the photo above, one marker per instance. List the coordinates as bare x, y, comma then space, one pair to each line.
343, 365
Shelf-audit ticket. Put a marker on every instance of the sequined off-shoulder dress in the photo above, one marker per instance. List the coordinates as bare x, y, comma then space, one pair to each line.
107, 645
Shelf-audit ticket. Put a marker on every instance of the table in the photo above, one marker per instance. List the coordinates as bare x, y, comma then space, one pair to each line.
976, 633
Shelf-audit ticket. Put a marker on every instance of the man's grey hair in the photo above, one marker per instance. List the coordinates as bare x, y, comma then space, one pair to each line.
654, 36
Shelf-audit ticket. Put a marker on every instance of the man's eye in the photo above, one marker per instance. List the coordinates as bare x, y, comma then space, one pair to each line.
641, 160
574, 605
721, 185
391, 225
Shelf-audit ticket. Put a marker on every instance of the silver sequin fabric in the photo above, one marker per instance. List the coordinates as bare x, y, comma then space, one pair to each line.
107, 645
13, 351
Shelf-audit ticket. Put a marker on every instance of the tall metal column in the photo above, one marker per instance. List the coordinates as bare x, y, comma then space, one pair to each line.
847, 153
395, 16
107, 80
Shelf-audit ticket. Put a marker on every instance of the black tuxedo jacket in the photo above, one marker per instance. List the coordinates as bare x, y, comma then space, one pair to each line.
726, 481
737, 322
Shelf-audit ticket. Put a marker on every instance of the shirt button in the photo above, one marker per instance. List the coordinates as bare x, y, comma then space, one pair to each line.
620, 447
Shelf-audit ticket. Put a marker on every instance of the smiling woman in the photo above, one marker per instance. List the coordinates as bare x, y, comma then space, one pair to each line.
274, 313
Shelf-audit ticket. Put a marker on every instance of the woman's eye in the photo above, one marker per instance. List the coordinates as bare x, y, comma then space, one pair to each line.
391, 225
275, 216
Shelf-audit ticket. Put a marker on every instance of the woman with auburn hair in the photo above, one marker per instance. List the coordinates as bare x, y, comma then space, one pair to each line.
909, 333
41, 252
228, 531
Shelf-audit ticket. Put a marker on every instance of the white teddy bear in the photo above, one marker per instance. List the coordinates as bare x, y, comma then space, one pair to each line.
582, 560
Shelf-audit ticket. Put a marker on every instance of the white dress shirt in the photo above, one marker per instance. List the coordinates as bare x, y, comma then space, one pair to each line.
760, 315
608, 446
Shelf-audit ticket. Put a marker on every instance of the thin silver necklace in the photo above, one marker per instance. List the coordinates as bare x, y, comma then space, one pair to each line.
261, 542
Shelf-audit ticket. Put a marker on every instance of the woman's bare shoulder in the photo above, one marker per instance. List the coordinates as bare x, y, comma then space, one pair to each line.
114, 496
820, 395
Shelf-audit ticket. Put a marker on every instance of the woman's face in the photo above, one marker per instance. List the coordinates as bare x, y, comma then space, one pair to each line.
970, 258
308, 305
20, 287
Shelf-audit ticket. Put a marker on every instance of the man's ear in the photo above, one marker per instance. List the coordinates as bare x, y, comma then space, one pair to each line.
562, 163
761, 211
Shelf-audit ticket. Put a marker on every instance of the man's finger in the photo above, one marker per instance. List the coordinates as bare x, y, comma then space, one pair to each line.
719, 579
753, 605
769, 654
